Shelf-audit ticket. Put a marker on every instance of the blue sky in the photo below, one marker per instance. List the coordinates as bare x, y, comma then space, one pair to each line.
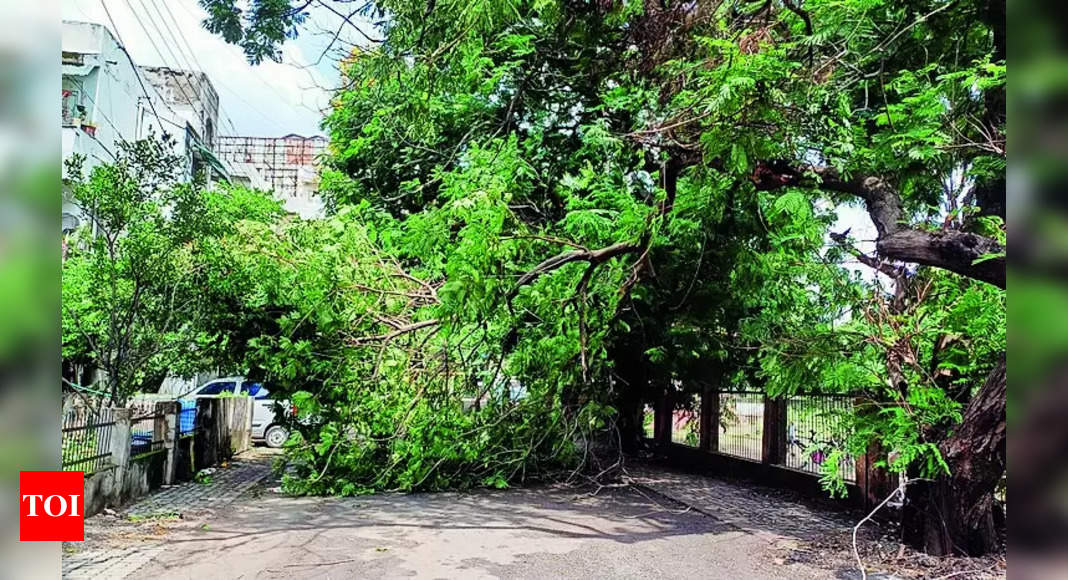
271, 99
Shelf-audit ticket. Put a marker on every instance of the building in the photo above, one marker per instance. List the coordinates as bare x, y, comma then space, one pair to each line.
193, 99
288, 165
103, 101
108, 99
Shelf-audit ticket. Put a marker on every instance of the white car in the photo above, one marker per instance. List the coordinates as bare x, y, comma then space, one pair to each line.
267, 425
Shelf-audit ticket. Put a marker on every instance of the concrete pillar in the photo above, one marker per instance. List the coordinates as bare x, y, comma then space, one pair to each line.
120, 451
167, 430
710, 420
774, 443
250, 407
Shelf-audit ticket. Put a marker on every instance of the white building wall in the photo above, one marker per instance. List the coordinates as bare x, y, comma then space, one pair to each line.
101, 79
109, 87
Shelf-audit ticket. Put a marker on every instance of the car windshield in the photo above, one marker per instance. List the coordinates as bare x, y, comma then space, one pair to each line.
255, 390
217, 388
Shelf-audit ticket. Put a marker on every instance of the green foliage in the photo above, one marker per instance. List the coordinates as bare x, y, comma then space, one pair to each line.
259, 28
485, 154
134, 303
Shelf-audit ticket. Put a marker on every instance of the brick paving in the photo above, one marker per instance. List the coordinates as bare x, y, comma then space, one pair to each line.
742, 504
227, 484
118, 544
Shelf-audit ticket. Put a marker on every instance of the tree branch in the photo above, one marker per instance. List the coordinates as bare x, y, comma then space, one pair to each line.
966, 253
594, 257
363, 340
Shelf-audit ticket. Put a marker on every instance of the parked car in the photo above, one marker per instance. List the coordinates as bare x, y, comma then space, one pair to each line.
268, 424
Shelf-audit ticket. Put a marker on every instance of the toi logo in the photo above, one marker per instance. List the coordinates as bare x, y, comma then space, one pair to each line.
51, 506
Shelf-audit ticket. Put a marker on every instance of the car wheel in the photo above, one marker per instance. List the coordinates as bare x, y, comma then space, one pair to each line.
275, 436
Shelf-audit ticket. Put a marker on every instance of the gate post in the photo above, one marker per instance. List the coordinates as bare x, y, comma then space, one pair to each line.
774, 442
710, 420
120, 450
167, 431
662, 418
874, 482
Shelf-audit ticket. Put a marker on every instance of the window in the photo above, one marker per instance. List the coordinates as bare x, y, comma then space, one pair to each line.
217, 388
255, 390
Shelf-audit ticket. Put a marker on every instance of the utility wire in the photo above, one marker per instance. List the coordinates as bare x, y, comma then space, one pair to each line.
187, 64
192, 53
180, 63
175, 38
190, 56
222, 113
137, 73
188, 99
254, 72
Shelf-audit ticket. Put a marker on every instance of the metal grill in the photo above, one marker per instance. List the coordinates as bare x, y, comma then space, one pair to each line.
145, 437
741, 424
817, 426
86, 440
686, 426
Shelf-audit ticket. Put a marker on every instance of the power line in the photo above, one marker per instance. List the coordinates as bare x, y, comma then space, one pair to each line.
151, 39
192, 55
173, 37
181, 63
137, 73
179, 35
251, 68
188, 99
253, 107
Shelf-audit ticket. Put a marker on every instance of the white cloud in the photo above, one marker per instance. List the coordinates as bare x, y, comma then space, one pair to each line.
271, 99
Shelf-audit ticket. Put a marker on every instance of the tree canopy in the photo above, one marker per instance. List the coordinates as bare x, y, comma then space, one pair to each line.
545, 213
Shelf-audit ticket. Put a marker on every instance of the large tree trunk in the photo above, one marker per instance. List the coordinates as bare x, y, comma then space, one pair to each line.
955, 514
631, 382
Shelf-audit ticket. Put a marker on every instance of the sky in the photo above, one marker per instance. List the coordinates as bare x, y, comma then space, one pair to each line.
267, 100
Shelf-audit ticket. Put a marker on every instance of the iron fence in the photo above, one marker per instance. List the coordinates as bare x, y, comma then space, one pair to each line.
803, 432
86, 439
146, 435
817, 427
686, 426
741, 424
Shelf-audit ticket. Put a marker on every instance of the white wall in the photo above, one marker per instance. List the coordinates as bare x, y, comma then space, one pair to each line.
112, 95
104, 82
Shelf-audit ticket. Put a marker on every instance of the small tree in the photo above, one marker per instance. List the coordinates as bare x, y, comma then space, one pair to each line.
133, 296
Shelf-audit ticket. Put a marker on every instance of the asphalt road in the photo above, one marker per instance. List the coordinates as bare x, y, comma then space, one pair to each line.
530, 533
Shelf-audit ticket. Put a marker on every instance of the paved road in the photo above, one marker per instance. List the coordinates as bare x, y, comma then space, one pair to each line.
540, 533
117, 544
630, 531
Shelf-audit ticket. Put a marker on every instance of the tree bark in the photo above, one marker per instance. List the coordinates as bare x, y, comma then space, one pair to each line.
955, 513
631, 384
966, 253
